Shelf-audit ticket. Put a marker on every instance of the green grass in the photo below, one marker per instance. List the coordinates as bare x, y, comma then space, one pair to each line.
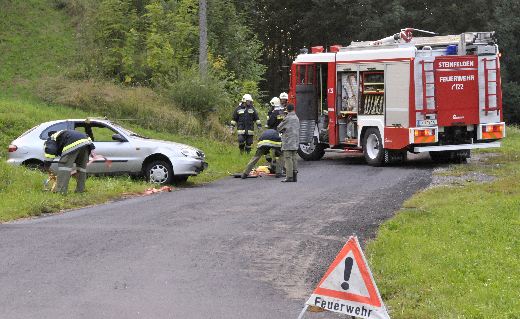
453, 252
35, 40
23, 195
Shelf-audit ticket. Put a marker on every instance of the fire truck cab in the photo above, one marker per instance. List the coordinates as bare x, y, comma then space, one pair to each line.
439, 94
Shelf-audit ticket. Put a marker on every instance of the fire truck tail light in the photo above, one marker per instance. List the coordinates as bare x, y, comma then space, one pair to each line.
493, 131
419, 133
493, 128
423, 136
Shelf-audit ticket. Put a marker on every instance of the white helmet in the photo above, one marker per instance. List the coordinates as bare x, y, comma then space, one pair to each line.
284, 96
247, 97
275, 101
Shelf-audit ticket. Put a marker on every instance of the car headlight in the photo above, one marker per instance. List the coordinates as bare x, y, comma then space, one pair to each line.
188, 152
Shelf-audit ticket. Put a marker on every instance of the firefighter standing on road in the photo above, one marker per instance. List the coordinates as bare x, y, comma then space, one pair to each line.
244, 118
290, 129
73, 147
269, 140
275, 114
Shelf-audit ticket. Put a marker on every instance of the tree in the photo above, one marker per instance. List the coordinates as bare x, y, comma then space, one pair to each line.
113, 23
203, 42
507, 25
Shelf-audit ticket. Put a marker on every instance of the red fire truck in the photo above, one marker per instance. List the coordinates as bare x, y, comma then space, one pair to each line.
438, 94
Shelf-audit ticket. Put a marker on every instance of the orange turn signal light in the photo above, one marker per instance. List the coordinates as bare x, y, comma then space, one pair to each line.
427, 132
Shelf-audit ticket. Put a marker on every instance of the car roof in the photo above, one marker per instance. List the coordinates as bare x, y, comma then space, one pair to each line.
77, 120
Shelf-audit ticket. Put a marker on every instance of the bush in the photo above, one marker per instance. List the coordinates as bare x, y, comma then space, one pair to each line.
200, 96
141, 105
511, 102
207, 99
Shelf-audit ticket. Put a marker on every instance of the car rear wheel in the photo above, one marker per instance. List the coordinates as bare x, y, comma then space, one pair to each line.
159, 172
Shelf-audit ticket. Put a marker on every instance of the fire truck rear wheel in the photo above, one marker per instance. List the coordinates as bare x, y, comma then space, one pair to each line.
313, 151
373, 147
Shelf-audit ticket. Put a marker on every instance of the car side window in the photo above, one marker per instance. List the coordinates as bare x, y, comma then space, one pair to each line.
83, 128
97, 131
102, 133
55, 127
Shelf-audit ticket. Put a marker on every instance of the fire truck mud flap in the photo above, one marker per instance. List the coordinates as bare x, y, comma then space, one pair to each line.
440, 148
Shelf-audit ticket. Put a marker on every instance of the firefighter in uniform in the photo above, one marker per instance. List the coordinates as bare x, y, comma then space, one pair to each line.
275, 114
73, 147
269, 140
244, 118
290, 129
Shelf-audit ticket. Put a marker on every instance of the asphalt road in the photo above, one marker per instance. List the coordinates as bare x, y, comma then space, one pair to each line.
236, 248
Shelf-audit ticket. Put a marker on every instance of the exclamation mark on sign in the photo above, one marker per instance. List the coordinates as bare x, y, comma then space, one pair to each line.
346, 274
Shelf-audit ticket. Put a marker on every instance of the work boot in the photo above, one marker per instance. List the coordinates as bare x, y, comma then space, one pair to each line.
295, 176
288, 180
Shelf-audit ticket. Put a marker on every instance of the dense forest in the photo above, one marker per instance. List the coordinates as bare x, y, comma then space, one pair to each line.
154, 43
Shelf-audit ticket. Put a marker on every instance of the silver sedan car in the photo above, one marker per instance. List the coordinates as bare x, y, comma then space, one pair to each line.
159, 162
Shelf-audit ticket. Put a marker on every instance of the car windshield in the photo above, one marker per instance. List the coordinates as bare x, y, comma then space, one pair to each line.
130, 132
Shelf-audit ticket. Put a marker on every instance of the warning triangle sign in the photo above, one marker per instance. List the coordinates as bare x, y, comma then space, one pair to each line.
348, 286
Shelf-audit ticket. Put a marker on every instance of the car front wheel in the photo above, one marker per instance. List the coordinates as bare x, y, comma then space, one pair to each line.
159, 172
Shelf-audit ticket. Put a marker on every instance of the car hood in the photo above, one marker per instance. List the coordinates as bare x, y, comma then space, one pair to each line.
165, 144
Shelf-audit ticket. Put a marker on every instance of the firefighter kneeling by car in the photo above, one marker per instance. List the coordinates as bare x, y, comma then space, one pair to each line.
74, 148
269, 140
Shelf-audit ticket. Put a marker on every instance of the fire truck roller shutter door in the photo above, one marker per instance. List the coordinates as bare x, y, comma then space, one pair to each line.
397, 90
307, 111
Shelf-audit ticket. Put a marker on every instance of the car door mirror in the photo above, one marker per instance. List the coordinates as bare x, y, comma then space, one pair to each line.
118, 137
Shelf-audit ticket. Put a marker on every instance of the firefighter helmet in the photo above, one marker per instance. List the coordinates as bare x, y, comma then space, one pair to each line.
284, 96
247, 97
275, 101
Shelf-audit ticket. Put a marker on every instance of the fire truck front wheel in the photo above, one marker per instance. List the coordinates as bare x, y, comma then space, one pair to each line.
373, 147
313, 151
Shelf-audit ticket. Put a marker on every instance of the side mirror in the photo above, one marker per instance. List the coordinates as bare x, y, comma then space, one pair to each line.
119, 138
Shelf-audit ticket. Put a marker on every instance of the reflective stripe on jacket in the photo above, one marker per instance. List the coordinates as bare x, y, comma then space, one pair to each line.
245, 117
270, 138
65, 142
275, 117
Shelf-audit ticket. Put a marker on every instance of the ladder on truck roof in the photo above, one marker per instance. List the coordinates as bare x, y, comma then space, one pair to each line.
462, 40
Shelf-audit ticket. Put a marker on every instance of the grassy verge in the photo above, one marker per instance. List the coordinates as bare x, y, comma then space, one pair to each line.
453, 252
22, 190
